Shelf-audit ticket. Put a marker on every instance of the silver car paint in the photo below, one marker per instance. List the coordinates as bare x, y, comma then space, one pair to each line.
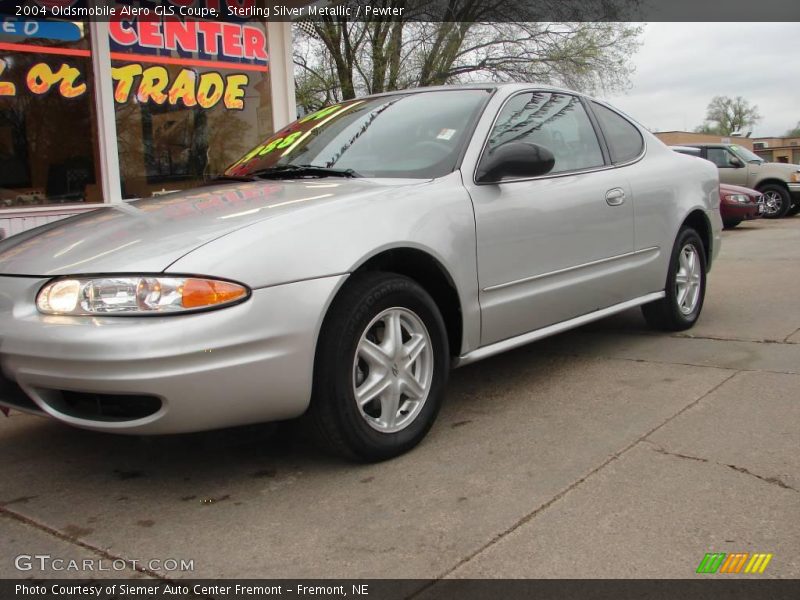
516, 261
322, 238
249, 363
551, 248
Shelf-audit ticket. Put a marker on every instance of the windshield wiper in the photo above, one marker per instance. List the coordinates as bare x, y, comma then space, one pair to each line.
289, 171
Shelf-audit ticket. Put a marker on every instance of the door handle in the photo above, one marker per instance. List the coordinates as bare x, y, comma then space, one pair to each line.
615, 197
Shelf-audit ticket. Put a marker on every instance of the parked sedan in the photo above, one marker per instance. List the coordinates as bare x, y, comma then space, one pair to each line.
342, 267
739, 204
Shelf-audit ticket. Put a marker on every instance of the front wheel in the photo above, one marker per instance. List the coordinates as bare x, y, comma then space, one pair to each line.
381, 368
777, 201
685, 287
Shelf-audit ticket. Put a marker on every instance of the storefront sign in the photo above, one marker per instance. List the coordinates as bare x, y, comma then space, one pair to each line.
225, 42
147, 83
225, 51
188, 88
41, 78
51, 30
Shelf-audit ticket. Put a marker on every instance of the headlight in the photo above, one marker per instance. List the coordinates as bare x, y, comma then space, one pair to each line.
136, 295
744, 199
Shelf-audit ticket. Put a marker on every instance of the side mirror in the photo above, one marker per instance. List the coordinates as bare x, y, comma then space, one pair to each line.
735, 162
515, 159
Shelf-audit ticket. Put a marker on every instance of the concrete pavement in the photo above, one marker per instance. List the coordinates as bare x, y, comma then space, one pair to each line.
610, 451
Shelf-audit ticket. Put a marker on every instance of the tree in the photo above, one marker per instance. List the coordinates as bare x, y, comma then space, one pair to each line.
725, 115
338, 59
794, 132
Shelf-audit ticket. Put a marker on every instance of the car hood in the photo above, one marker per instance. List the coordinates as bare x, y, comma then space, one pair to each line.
778, 169
148, 235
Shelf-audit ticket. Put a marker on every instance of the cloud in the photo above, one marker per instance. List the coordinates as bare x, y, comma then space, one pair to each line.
681, 66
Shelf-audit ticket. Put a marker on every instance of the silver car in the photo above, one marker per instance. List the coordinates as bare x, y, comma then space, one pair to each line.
341, 268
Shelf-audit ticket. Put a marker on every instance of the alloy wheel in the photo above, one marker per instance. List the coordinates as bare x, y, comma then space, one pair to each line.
688, 279
773, 202
393, 370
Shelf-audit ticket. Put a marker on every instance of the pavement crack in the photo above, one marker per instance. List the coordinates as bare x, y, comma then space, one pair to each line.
786, 339
771, 480
689, 336
24, 520
661, 450
575, 484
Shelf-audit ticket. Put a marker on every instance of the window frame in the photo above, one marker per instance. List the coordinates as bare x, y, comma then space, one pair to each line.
592, 120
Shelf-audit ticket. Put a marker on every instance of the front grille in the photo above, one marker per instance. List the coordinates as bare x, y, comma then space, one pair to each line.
102, 407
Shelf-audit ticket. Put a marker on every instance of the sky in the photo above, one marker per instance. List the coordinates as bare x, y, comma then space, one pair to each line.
681, 66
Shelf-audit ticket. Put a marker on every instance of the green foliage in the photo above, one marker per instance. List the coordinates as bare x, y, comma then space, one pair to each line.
725, 115
794, 132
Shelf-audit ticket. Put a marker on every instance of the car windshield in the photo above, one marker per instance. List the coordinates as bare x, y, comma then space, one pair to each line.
745, 154
415, 135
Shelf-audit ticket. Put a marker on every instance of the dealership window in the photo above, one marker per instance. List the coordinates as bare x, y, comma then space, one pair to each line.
190, 98
48, 134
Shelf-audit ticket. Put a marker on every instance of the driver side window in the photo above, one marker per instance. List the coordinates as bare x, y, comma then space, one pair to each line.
554, 121
721, 157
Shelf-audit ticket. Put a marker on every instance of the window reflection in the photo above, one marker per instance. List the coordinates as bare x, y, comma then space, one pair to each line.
48, 151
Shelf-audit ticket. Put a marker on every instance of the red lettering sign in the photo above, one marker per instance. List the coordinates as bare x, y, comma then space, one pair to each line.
235, 41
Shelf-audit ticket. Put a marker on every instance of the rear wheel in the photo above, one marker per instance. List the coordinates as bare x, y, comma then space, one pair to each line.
777, 201
381, 368
685, 286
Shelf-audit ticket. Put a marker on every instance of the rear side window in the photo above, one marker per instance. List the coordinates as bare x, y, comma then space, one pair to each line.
624, 140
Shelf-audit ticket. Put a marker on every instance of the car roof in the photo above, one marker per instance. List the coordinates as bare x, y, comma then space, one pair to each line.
488, 86
509, 88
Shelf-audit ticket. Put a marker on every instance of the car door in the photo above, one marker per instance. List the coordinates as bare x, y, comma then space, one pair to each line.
552, 247
731, 168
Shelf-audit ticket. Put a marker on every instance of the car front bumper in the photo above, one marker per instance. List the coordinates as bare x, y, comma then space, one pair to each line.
739, 210
248, 363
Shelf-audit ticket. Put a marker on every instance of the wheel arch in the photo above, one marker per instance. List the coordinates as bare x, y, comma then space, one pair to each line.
429, 272
772, 181
698, 220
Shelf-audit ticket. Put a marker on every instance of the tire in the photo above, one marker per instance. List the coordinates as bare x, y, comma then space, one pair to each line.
347, 364
671, 313
793, 210
777, 201
730, 224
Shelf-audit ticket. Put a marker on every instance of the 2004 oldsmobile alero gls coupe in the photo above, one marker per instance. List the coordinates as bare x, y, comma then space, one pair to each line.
342, 267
